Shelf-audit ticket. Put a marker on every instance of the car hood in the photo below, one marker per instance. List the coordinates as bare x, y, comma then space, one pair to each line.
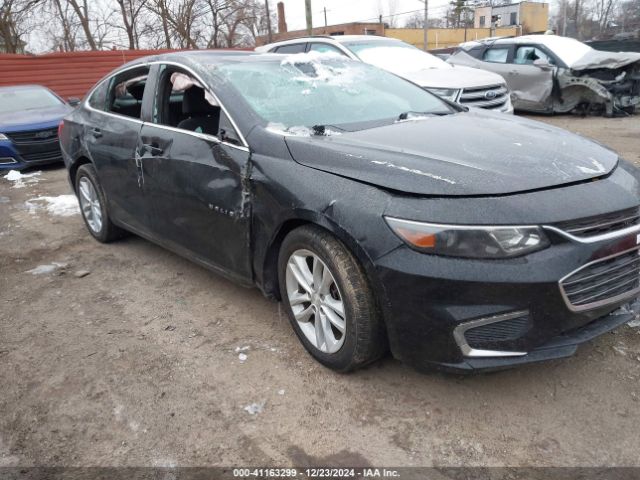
601, 59
455, 77
28, 119
469, 153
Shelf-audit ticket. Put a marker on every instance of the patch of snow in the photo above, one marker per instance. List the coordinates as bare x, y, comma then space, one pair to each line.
62, 205
298, 131
255, 408
634, 323
413, 170
281, 392
48, 268
20, 180
413, 118
242, 357
242, 349
280, 129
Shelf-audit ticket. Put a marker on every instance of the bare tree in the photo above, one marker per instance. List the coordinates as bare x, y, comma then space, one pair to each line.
81, 9
14, 15
603, 11
66, 39
130, 12
160, 8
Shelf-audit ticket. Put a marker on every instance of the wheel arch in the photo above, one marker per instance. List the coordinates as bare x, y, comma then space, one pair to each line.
269, 283
73, 169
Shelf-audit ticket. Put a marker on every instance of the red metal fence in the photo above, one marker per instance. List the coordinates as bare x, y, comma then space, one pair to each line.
69, 74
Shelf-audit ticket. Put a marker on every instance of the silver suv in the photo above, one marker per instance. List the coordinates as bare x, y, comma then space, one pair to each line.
468, 86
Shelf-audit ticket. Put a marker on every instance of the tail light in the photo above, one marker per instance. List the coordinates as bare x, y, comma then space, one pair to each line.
60, 128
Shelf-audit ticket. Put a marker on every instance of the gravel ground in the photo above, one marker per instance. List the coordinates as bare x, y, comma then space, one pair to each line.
138, 363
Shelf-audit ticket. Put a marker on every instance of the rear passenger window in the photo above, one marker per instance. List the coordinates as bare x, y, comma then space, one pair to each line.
295, 48
496, 55
126, 91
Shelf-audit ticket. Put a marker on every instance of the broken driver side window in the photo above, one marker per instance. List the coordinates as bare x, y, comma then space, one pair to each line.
526, 55
182, 102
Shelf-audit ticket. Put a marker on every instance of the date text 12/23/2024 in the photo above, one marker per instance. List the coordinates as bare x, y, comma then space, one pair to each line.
315, 473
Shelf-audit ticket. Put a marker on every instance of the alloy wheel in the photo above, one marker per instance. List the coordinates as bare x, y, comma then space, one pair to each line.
316, 301
90, 204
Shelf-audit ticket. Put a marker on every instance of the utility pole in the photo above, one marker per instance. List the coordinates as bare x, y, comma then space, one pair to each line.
426, 24
307, 7
269, 35
325, 16
564, 19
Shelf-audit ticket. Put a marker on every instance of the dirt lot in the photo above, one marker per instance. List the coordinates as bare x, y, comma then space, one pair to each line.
136, 364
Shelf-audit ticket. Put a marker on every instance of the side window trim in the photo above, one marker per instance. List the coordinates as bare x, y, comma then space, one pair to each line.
244, 146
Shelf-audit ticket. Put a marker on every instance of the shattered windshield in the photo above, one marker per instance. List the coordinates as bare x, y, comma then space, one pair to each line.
317, 89
397, 57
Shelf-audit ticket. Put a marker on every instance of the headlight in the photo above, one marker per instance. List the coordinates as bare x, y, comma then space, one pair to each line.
469, 241
448, 93
3, 137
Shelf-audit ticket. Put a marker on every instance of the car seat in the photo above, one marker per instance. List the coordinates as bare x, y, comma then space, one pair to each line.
202, 117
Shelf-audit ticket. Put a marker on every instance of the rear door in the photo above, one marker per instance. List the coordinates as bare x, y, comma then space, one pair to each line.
195, 174
111, 133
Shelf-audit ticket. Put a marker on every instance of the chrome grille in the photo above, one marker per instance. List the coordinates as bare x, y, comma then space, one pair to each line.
494, 96
34, 136
604, 281
600, 224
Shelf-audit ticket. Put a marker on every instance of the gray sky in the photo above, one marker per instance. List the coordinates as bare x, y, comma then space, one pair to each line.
342, 11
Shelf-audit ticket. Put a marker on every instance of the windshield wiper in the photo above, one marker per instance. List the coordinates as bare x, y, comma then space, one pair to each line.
325, 129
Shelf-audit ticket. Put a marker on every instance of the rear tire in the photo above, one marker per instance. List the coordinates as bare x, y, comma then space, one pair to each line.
336, 316
93, 206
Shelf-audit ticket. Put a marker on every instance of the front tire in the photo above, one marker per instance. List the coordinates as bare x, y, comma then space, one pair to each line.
329, 301
93, 206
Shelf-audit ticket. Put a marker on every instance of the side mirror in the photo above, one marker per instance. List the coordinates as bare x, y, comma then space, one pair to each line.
544, 64
73, 101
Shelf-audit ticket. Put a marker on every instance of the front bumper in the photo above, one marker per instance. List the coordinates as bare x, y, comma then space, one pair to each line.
18, 156
428, 298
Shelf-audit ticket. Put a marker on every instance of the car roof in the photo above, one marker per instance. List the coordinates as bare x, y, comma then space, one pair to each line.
329, 38
550, 41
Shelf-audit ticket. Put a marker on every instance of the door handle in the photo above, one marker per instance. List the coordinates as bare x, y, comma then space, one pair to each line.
96, 132
152, 149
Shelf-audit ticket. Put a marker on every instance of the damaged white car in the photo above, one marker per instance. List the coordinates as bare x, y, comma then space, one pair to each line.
553, 74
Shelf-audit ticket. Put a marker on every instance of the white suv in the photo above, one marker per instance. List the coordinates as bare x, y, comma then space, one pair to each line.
468, 86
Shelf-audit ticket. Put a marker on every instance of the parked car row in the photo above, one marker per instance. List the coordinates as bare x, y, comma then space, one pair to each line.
535, 73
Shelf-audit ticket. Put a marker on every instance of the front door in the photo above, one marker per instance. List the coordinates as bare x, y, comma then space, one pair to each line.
195, 179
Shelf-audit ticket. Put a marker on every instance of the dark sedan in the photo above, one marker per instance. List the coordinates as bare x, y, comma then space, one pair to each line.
382, 216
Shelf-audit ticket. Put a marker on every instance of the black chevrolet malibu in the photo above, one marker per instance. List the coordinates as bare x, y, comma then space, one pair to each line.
380, 215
